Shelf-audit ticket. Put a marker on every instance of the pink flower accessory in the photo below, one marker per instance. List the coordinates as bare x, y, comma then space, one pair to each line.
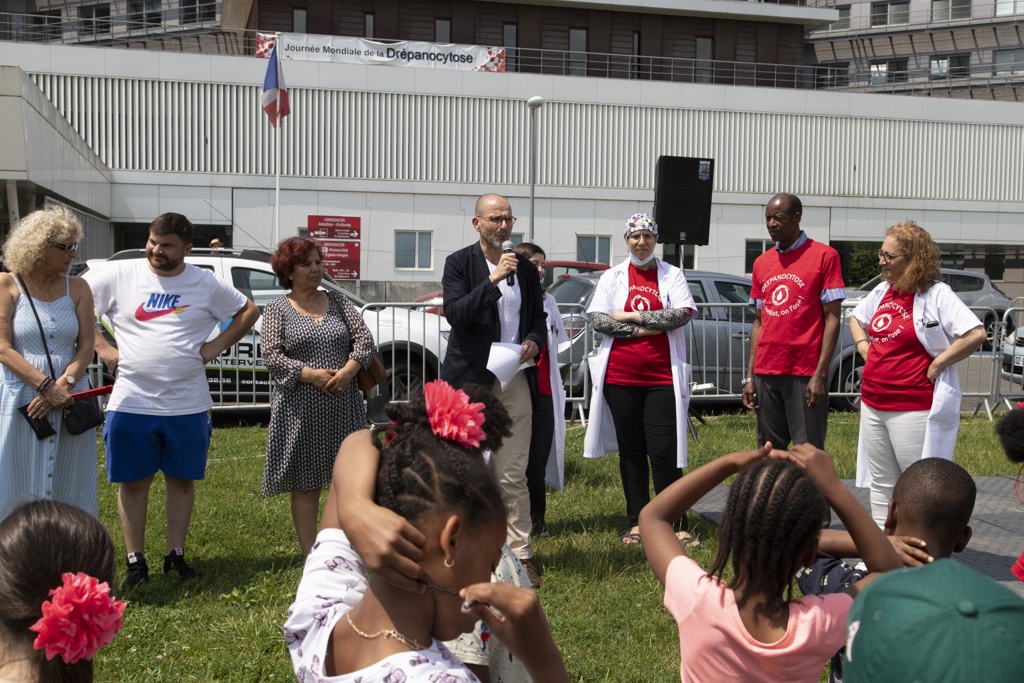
1020, 405
452, 417
80, 618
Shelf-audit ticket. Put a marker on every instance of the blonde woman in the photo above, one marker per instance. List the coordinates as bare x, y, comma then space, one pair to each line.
39, 253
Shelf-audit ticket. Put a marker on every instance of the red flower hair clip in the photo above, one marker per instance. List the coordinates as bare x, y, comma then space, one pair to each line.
1020, 405
80, 618
452, 417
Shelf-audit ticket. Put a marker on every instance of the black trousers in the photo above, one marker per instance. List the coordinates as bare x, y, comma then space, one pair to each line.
540, 448
645, 425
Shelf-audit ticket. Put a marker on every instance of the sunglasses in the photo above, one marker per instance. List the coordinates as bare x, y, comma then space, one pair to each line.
67, 248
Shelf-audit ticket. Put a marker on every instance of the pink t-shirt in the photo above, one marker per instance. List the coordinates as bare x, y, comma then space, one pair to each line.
792, 320
715, 646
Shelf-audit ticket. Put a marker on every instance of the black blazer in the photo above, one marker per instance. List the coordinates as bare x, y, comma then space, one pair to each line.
471, 307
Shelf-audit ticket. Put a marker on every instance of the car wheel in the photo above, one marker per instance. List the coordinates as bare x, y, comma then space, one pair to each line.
848, 380
991, 327
406, 376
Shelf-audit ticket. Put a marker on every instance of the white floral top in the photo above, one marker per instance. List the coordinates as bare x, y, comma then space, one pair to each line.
333, 582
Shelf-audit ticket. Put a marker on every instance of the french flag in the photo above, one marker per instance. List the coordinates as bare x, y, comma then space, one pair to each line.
275, 93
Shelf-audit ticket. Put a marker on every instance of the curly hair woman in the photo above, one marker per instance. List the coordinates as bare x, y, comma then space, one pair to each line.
911, 331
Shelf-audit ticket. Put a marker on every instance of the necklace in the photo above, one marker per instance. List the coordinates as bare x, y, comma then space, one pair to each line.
385, 633
440, 589
44, 293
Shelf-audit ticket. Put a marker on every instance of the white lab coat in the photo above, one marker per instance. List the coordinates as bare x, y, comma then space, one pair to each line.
938, 304
554, 475
610, 295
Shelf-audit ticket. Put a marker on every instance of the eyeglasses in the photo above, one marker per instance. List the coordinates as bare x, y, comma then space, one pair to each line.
67, 248
886, 257
498, 220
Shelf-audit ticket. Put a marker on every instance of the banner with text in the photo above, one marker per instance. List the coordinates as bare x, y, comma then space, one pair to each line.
316, 48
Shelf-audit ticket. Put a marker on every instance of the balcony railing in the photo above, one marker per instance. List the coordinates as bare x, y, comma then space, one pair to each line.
209, 39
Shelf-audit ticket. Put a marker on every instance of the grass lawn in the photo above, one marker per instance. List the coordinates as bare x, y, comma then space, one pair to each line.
603, 603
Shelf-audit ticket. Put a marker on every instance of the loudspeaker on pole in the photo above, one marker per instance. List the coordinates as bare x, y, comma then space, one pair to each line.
682, 199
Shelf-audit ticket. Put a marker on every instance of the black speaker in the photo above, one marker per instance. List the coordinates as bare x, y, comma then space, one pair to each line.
682, 199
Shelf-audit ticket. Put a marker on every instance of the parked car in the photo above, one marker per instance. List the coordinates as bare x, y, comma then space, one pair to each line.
717, 342
974, 289
411, 343
1012, 368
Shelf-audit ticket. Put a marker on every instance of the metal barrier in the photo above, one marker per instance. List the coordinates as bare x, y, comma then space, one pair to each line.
412, 343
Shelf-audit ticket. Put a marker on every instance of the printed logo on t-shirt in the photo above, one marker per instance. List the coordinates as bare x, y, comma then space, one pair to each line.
784, 294
159, 305
642, 297
888, 322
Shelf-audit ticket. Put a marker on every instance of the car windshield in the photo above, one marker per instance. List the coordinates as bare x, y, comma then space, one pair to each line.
870, 284
572, 290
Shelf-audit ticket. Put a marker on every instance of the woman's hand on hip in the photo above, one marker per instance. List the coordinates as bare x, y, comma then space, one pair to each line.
934, 370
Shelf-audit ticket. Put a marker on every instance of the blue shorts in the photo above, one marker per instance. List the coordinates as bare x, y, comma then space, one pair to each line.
139, 445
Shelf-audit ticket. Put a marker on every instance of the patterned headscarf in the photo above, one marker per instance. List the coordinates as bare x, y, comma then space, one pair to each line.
640, 221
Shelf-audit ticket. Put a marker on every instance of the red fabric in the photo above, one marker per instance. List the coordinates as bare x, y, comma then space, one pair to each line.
792, 320
544, 372
645, 361
1018, 567
895, 374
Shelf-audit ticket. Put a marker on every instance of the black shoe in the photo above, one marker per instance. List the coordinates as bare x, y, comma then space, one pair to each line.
175, 560
136, 573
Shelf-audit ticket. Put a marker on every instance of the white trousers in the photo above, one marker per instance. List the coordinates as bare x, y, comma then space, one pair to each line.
893, 442
509, 464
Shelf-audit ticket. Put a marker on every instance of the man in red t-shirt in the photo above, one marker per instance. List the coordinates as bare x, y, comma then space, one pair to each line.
797, 290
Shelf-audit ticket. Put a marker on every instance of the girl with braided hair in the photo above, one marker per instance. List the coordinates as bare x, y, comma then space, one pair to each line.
750, 628
427, 498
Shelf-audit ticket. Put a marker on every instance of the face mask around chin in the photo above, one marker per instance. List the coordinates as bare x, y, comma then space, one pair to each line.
637, 262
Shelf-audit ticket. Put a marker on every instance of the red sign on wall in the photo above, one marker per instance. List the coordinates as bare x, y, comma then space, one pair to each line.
340, 238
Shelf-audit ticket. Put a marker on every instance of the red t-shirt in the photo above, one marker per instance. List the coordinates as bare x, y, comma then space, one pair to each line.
644, 361
895, 374
792, 320
544, 372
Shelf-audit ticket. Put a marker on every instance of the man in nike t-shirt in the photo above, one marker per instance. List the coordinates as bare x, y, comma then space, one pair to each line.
158, 418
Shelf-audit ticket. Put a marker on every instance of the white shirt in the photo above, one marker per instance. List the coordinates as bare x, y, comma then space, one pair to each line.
509, 306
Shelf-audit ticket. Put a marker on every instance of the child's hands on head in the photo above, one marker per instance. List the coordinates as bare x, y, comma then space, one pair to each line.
390, 547
911, 550
815, 462
744, 459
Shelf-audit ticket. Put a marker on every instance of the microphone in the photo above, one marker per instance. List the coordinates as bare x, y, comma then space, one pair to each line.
506, 248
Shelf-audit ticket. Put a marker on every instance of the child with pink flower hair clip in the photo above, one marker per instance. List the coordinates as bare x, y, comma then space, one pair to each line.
410, 535
56, 568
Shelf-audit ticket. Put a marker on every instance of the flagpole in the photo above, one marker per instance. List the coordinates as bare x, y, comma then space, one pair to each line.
277, 152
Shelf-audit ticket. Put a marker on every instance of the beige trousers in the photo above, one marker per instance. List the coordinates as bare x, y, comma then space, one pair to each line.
509, 464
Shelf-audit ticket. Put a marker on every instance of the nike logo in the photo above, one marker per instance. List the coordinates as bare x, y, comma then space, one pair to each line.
142, 315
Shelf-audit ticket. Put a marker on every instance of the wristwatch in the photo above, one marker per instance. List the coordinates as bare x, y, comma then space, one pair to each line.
747, 380
70, 379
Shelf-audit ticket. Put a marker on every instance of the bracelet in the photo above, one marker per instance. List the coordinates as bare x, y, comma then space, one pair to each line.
747, 380
45, 385
862, 341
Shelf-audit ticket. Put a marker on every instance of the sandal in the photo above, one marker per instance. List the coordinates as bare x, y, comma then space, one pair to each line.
631, 537
688, 540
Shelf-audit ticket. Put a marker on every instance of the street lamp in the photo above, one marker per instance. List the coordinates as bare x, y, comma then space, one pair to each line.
534, 103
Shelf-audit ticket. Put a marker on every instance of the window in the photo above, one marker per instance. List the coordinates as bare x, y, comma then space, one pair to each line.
950, 66
298, 20
736, 293
258, 285
510, 39
944, 10
195, 11
699, 297
577, 52
704, 69
442, 30
754, 249
368, 25
891, 71
516, 238
94, 20
1005, 8
889, 13
593, 249
1008, 62
634, 71
46, 26
832, 75
143, 14
843, 22
963, 283
412, 249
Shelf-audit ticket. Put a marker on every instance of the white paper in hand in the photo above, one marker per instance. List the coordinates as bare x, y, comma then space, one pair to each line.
504, 362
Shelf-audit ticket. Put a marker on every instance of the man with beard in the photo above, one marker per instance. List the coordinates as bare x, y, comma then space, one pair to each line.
158, 418
493, 296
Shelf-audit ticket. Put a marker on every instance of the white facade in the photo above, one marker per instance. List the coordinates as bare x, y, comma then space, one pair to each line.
411, 149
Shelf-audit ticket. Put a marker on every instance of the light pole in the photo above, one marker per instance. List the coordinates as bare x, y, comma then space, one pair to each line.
534, 103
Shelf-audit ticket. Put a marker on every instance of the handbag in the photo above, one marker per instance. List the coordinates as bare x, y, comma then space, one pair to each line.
375, 373
82, 415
